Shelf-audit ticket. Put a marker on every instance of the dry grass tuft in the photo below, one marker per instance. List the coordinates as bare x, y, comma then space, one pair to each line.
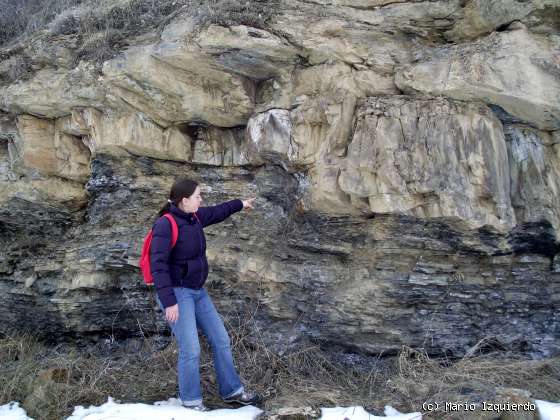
475, 379
255, 13
52, 380
100, 29
28, 16
128, 17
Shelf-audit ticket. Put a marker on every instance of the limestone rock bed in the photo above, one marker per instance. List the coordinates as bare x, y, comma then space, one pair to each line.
405, 156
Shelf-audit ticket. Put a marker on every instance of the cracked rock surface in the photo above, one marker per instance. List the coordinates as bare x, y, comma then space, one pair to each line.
405, 156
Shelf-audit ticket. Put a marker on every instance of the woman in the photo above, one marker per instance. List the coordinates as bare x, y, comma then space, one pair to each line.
179, 274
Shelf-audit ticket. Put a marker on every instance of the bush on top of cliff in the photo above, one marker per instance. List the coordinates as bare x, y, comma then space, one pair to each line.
255, 13
21, 18
103, 27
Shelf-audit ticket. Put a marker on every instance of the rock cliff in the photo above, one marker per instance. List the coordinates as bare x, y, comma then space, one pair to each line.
405, 156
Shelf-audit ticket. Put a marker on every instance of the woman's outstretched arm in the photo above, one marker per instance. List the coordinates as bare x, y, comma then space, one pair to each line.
218, 213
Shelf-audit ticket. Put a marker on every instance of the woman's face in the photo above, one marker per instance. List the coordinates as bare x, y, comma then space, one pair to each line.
191, 204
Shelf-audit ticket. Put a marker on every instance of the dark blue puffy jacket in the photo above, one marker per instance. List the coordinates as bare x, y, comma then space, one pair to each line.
185, 265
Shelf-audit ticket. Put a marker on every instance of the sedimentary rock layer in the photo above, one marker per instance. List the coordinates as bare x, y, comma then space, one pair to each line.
405, 156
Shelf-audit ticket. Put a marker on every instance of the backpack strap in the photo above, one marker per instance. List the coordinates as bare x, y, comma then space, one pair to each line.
174, 229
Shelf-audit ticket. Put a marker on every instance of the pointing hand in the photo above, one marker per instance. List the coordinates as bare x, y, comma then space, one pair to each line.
248, 204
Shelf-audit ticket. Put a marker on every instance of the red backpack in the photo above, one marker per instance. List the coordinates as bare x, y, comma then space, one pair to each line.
145, 255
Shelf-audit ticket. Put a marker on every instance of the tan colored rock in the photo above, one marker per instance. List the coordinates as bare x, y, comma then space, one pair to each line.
52, 93
344, 58
324, 195
72, 157
425, 158
317, 129
43, 148
481, 17
252, 52
333, 80
359, 4
399, 16
322, 126
76, 124
329, 39
56, 166
312, 137
516, 70
270, 138
36, 143
174, 82
52, 191
534, 160
330, 81
136, 134
131, 132
324, 40
197, 77
221, 147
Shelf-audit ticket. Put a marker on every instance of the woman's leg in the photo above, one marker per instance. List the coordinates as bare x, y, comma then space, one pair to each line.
188, 361
213, 328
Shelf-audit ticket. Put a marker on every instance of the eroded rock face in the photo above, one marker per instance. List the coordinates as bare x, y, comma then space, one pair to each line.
254, 53
270, 135
134, 133
169, 82
370, 283
406, 16
52, 93
68, 195
481, 17
534, 158
516, 70
425, 158
407, 188
393, 155
327, 39
43, 147
221, 147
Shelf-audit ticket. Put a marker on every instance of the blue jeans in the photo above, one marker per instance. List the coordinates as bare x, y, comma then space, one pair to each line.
197, 310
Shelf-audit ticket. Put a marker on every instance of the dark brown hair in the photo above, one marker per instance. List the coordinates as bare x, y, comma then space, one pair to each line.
180, 188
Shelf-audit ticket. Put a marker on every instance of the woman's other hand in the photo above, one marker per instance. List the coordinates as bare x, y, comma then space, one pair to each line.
172, 313
248, 204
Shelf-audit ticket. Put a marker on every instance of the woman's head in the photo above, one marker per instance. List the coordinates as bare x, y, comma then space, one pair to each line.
185, 194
